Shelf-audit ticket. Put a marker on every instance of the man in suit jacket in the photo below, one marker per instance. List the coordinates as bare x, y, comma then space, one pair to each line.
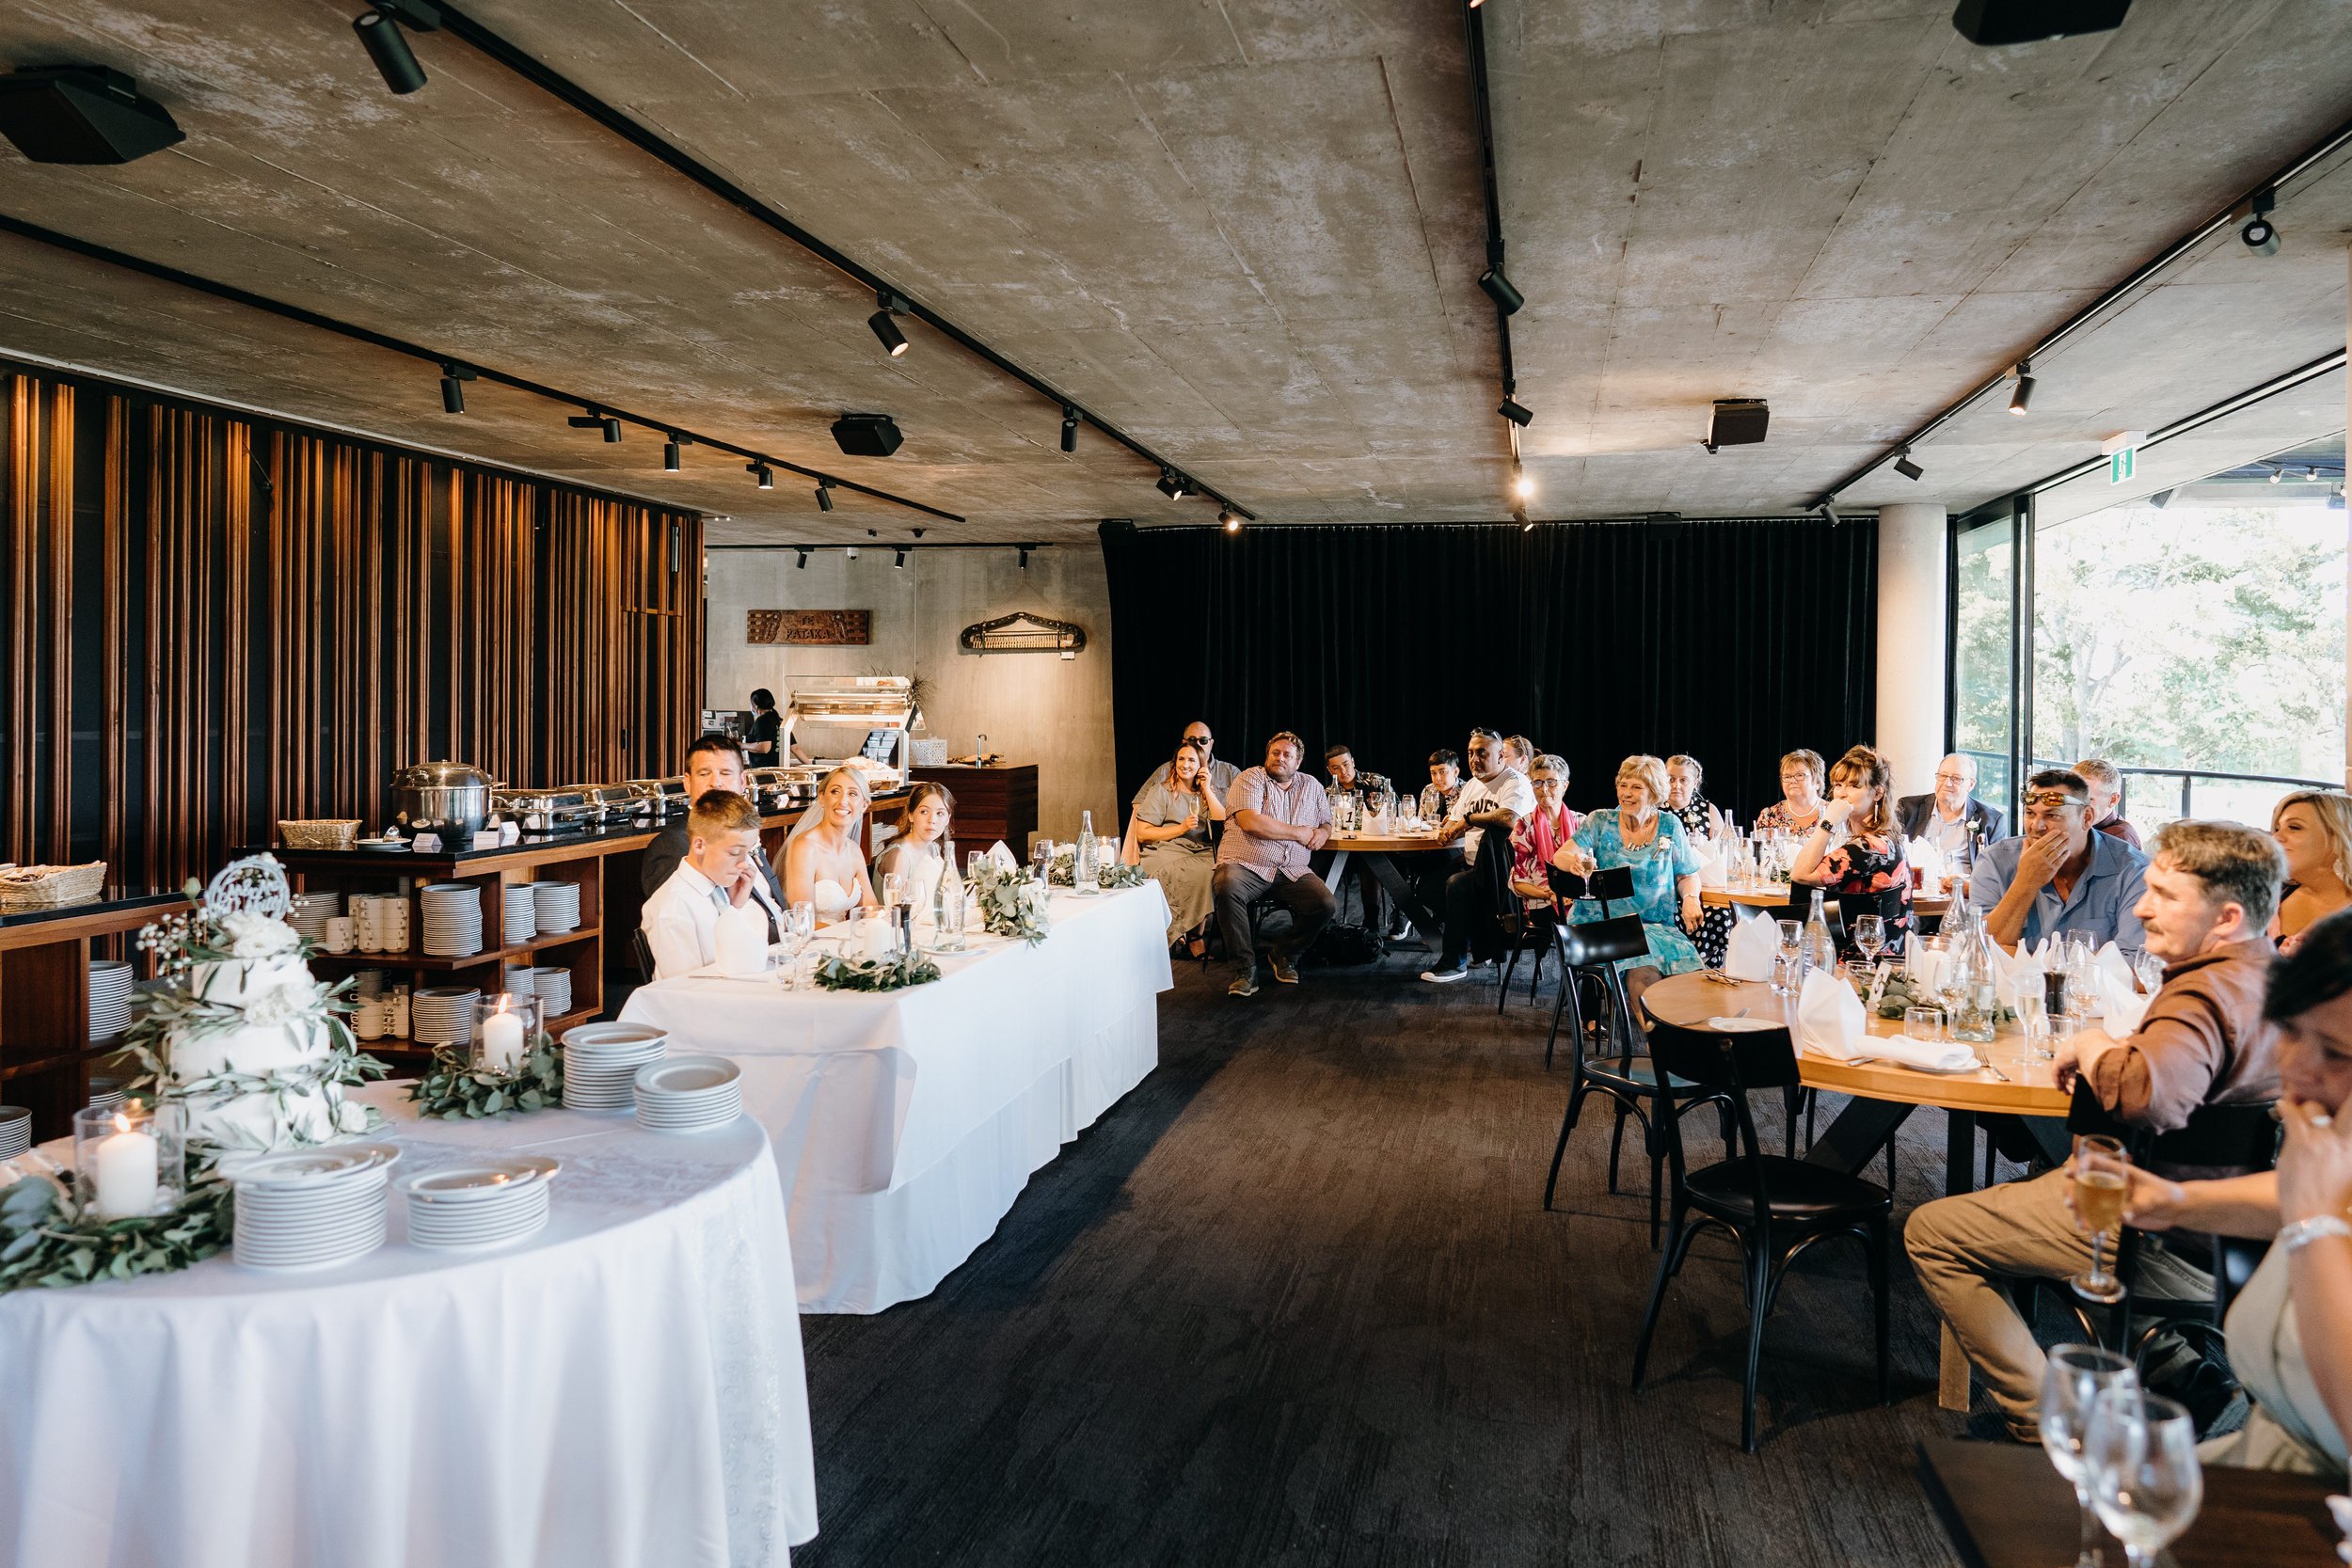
1952, 816
713, 762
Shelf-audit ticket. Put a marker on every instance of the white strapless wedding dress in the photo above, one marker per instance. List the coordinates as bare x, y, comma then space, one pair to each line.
833, 899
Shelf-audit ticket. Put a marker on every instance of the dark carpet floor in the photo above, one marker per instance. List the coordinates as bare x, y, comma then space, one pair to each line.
1295, 1301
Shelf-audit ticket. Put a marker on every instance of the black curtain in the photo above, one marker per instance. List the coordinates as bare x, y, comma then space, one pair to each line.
1732, 640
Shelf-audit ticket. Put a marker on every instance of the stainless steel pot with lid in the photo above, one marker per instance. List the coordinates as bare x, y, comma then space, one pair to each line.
450, 798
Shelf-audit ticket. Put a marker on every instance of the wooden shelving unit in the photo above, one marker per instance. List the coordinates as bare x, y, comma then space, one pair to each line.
45, 1048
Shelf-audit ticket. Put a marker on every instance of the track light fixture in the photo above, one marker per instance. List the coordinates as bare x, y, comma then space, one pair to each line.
2021, 399
1069, 428
2277, 474
803, 564
884, 325
1525, 519
671, 462
1906, 468
2261, 235
388, 46
761, 474
824, 495
1174, 485
849, 554
1516, 412
1826, 512
899, 553
597, 419
453, 379
1499, 289
1021, 551
1522, 483
2335, 498
1230, 518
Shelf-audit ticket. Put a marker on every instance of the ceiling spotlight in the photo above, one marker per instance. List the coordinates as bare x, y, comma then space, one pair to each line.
2335, 498
453, 379
2312, 472
1516, 412
2261, 235
900, 552
761, 474
1069, 428
670, 461
1023, 552
1826, 512
2277, 474
849, 554
884, 328
824, 495
388, 46
2021, 399
1523, 484
82, 114
803, 564
1230, 518
1507, 299
597, 419
1174, 485
1906, 468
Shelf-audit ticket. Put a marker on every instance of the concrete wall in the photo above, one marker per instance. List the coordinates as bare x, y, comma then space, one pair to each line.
1913, 670
1034, 708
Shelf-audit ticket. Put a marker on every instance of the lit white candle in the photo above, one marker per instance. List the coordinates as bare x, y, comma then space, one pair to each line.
127, 1165
503, 1041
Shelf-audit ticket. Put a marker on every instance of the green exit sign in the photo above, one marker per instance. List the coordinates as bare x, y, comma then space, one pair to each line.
2120, 465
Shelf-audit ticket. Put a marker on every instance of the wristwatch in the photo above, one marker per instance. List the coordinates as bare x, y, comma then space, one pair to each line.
2302, 1232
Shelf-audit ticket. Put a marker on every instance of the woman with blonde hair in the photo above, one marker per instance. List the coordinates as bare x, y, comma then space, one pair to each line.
1799, 804
2314, 828
1641, 835
1865, 870
824, 864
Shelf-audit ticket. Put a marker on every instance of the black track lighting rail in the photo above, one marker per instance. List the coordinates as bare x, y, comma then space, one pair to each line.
2303, 163
545, 77
1474, 37
449, 366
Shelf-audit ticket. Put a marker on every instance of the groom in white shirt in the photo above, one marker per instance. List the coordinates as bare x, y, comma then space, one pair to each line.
721, 871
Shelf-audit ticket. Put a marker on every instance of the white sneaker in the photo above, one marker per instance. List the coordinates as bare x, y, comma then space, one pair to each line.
1445, 976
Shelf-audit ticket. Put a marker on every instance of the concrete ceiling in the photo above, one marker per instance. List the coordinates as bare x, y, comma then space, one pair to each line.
1245, 230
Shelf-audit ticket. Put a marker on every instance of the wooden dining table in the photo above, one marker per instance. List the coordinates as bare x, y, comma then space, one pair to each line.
1778, 898
1886, 1093
1380, 852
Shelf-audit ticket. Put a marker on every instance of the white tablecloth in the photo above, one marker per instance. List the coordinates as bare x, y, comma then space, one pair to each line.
623, 1389
907, 1122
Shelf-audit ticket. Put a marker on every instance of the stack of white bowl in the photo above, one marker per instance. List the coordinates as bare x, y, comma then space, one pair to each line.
558, 905
109, 998
600, 1063
442, 1015
689, 1094
522, 913
482, 1203
553, 987
312, 1208
311, 912
16, 1131
452, 919
104, 1093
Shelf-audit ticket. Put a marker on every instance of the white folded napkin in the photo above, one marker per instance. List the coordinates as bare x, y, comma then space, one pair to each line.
2120, 1005
1829, 1017
1712, 868
740, 942
1748, 954
1001, 856
2019, 975
1952, 1056
1924, 966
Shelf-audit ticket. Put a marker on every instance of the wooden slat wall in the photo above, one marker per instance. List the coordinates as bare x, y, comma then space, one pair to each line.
287, 618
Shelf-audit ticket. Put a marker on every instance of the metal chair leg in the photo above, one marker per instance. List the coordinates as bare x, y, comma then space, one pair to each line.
1762, 1266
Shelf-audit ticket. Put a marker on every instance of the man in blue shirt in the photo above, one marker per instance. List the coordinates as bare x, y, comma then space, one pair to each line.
2060, 876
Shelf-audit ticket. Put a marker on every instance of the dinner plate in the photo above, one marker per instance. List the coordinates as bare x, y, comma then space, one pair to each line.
478, 1180
1744, 1025
302, 1166
688, 1075
1975, 1065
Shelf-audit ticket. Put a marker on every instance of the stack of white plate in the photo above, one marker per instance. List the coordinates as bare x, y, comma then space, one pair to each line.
314, 1207
689, 1094
553, 987
16, 1131
452, 919
104, 1093
522, 913
442, 1015
311, 912
109, 998
600, 1063
482, 1203
559, 905
518, 981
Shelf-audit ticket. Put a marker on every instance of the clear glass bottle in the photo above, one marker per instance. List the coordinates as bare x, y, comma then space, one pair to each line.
948, 903
1972, 979
1818, 950
1085, 868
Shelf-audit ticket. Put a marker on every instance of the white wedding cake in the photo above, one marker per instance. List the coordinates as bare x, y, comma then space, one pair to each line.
254, 1047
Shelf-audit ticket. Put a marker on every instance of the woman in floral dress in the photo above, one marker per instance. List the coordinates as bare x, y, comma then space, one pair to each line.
1700, 819
1799, 807
1864, 870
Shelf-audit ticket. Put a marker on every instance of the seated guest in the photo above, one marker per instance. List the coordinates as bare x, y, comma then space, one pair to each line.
1799, 804
713, 762
2060, 875
823, 862
1445, 784
2107, 800
1537, 836
2203, 1040
721, 870
2314, 828
1700, 819
1167, 835
1951, 818
1519, 752
1276, 817
2290, 1327
1338, 760
1496, 797
1641, 835
919, 853
1853, 853
1221, 775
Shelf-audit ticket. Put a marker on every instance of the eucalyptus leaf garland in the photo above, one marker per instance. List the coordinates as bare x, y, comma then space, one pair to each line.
45, 1240
454, 1088
837, 974
1012, 903
1110, 877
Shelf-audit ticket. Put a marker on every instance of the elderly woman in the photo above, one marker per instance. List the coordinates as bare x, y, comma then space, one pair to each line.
2314, 828
1537, 836
921, 852
1800, 805
824, 864
1167, 835
1640, 834
1701, 819
1865, 871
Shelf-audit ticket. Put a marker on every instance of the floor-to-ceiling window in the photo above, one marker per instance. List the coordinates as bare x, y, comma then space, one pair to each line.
1984, 650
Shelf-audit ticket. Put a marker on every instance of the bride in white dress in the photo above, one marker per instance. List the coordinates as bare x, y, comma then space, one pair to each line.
823, 863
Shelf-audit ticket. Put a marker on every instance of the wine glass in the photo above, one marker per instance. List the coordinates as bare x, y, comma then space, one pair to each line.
1869, 936
2071, 1381
1791, 951
2102, 1177
1041, 858
2145, 1482
795, 931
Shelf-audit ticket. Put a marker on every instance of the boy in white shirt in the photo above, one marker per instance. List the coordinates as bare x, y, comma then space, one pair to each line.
721, 871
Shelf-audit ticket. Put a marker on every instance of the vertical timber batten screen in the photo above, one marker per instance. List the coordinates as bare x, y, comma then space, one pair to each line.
215, 622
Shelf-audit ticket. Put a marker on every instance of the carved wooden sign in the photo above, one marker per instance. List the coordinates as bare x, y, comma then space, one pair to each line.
811, 629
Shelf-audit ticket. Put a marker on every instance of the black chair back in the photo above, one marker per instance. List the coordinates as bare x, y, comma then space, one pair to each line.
1830, 909
1611, 885
2243, 1136
1730, 1062
1590, 944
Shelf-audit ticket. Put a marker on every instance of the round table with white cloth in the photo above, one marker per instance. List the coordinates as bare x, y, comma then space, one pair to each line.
624, 1388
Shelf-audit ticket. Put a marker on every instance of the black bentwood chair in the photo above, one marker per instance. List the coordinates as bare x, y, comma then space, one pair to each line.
1775, 1208
1607, 1055
1532, 932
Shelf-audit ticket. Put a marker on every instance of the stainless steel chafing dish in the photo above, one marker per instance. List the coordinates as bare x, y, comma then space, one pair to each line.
774, 790
548, 811
656, 797
835, 718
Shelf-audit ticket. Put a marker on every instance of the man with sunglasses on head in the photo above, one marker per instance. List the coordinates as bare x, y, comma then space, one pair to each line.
2060, 876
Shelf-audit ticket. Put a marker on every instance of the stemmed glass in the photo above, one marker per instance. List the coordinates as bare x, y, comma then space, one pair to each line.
1041, 858
2072, 1379
1869, 936
2145, 1482
1785, 972
795, 931
2102, 1177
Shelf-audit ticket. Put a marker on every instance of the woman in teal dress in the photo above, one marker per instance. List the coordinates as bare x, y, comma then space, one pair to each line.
1665, 868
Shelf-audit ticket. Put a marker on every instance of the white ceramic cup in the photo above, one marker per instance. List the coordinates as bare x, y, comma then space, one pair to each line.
338, 934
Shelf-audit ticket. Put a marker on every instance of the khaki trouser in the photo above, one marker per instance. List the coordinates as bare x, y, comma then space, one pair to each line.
1963, 1247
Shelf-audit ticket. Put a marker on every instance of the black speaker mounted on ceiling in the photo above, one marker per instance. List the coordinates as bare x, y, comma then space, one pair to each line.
1738, 422
867, 435
1994, 23
82, 114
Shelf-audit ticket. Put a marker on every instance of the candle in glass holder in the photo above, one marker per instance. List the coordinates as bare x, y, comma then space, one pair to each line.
126, 1180
503, 1041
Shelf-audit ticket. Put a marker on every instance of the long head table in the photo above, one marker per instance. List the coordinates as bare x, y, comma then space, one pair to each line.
907, 1122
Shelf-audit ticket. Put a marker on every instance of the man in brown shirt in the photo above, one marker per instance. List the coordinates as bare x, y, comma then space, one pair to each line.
2209, 897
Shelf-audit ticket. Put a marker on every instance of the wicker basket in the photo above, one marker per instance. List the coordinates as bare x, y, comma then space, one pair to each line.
336, 833
47, 887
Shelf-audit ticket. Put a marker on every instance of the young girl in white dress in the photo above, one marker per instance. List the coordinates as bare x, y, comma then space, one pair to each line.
921, 852
823, 863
